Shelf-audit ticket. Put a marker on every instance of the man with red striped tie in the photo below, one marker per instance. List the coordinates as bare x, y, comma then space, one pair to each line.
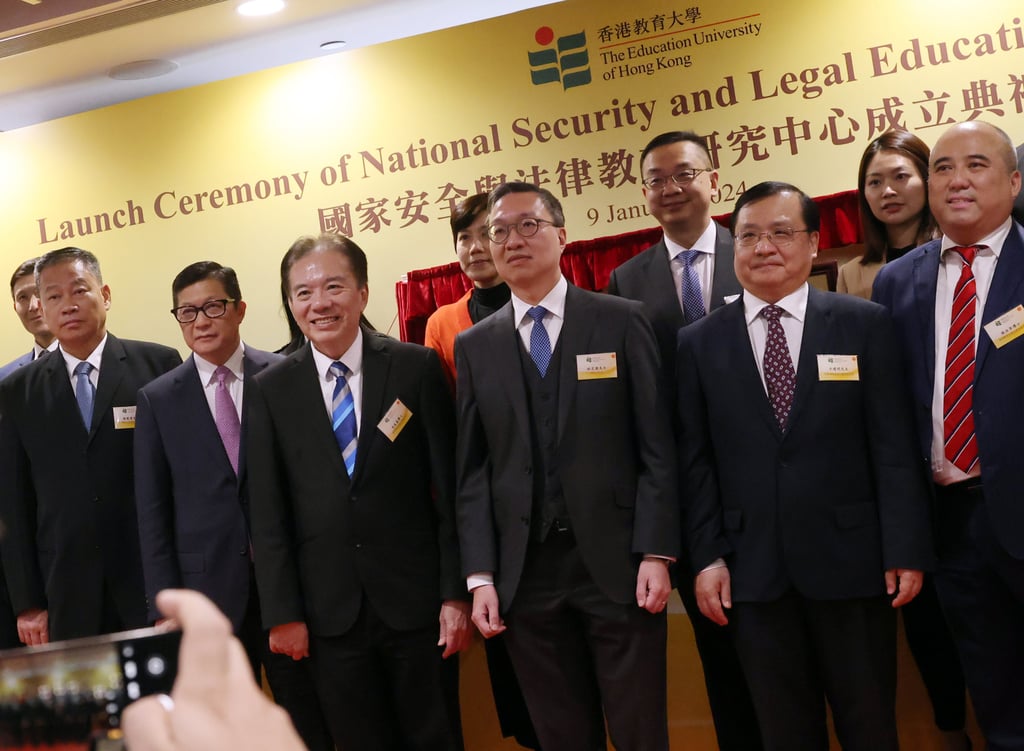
957, 304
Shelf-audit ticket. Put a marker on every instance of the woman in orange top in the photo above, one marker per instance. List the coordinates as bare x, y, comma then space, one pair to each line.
473, 248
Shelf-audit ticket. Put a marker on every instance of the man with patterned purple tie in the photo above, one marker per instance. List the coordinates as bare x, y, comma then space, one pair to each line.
956, 302
352, 485
806, 505
191, 479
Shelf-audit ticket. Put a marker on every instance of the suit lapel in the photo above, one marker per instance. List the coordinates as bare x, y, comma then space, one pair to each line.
580, 323
189, 389
58, 387
723, 281
376, 364
113, 365
924, 280
1005, 291
251, 365
506, 364
661, 283
817, 319
743, 364
302, 383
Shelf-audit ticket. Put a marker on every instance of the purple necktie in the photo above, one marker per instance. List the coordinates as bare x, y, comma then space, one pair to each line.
226, 415
779, 375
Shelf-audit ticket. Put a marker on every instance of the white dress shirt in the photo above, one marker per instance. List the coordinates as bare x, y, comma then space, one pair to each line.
351, 359
71, 362
794, 306
950, 266
703, 264
207, 369
553, 302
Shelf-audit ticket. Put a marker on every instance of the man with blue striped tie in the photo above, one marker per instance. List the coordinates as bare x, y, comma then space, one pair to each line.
352, 489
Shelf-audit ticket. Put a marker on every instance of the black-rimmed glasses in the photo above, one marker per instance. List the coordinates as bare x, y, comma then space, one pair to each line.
525, 227
210, 309
682, 177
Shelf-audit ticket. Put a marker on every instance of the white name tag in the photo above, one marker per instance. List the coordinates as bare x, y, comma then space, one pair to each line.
838, 368
598, 365
1006, 327
124, 418
395, 420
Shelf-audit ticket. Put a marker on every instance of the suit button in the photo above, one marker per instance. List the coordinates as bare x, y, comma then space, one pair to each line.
359, 545
528, 470
525, 520
353, 498
243, 551
95, 500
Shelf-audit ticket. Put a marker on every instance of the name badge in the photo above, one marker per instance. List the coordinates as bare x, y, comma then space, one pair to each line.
838, 368
395, 420
124, 418
599, 365
1006, 327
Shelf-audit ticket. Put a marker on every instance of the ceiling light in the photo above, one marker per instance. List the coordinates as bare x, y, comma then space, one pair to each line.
140, 69
333, 45
260, 7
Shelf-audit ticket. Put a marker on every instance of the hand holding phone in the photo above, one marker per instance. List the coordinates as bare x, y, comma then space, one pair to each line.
215, 704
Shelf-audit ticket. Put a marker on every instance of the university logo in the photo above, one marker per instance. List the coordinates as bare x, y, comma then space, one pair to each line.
567, 60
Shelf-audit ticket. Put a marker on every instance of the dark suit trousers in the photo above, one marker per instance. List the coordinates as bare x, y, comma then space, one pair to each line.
732, 709
575, 650
798, 652
981, 588
383, 689
291, 681
8, 620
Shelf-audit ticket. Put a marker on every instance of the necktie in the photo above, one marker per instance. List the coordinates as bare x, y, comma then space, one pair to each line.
693, 298
343, 416
779, 376
540, 344
226, 415
85, 392
957, 398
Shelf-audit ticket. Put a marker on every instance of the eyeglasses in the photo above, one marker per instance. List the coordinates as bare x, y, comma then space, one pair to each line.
780, 238
682, 177
499, 233
210, 309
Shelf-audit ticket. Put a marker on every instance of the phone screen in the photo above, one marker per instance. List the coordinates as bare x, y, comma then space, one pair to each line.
73, 691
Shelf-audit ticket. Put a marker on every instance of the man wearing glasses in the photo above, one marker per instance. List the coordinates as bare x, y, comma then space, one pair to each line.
679, 279
191, 483
807, 510
566, 503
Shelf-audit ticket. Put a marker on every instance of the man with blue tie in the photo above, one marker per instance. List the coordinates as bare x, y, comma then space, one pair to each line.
957, 303
71, 554
191, 480
680, 279
352, 492
568, 516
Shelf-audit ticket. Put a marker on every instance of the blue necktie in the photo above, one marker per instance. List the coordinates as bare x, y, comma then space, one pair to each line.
693, 299
85, 392
540, 344
343, 416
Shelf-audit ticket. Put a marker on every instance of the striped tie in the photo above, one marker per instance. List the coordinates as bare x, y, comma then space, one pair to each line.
343, 416
693, 298
957, 398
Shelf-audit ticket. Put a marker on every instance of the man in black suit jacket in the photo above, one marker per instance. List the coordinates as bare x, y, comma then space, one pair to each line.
356, 555
566, 501
72, 548
680, 183
807, 507
978, 262
191, 484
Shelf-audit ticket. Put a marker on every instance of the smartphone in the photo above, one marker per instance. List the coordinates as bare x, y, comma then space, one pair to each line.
74, 691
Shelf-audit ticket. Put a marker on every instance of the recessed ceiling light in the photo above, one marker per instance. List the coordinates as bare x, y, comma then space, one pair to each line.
260, 7
333, 45
139, 69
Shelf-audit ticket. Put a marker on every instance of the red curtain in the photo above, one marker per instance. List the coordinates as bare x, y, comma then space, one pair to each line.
589, 263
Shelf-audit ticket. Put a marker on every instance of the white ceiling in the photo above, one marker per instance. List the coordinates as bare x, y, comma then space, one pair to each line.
208, 43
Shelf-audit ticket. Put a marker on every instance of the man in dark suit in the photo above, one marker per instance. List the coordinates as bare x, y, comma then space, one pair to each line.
1018, 203
807, 505
191, 486
30, 313
956, 303
72, 548
567, 511
352, 491
679, 279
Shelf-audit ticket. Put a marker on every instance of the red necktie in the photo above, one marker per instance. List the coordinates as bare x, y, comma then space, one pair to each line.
957, 400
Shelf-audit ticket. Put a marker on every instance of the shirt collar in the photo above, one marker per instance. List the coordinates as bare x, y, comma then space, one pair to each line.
207, 369
993, 241
795, 304
94, 359
553, 302
705, 243
352, 358
38, 351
